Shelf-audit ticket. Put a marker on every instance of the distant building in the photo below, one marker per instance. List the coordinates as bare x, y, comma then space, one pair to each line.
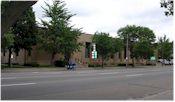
82, 58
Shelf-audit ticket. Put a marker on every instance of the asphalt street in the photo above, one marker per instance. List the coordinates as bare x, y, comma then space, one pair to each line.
111, 84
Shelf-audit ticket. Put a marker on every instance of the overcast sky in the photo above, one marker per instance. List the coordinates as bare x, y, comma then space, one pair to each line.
110, 15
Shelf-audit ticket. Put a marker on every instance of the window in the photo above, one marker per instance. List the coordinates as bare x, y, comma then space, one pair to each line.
87, 49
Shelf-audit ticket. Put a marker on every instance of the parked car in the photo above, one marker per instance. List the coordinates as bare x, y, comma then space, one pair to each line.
171, 62
166, 62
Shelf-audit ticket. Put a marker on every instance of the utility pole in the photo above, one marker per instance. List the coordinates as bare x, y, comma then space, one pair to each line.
127, 58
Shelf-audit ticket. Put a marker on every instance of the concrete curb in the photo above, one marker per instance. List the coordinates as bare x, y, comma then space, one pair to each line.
45, 69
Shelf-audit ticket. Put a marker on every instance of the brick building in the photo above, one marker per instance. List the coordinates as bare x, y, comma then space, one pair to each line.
82, 58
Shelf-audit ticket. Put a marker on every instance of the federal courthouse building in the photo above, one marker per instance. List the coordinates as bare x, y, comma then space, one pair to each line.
82, 58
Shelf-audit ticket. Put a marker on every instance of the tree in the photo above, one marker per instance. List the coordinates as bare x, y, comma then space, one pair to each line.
165, 48
25, 32
7, 44
104, 45
117, 45
144, 46
129, 32
168, 5
69, 44
11, 11
137, 35
59, 36
143, 50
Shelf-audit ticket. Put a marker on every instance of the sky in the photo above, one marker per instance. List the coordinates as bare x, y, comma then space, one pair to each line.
110, 15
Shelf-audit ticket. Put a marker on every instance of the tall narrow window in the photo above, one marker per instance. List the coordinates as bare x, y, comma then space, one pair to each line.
87, 49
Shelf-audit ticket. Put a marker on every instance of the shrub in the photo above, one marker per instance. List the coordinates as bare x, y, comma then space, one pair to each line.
27, 64
121, 64
124, 64
15, 63
59, 63
150, 64
94, 65
33, 64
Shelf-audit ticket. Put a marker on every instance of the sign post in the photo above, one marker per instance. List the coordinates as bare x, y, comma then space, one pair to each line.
94, 52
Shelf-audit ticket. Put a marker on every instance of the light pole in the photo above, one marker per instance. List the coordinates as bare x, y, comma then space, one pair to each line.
127, 58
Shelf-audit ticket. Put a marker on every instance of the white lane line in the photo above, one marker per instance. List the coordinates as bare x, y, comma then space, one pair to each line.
134, 75
9, 78
18, 84
35, 72
108, 73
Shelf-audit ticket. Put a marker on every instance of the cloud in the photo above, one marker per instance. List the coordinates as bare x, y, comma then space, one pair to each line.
110, 15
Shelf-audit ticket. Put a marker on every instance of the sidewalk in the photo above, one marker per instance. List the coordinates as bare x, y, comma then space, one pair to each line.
34, 69
45, 69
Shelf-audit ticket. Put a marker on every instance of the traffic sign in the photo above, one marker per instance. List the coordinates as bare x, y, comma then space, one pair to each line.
153, 58
94, 54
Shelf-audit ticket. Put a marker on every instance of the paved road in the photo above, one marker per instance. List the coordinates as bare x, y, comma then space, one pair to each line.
113, 84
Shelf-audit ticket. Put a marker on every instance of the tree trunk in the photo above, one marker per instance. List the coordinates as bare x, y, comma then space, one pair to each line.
25, 57
9, 57
133, 62
4, 52
67, 58
102, 64
52, 58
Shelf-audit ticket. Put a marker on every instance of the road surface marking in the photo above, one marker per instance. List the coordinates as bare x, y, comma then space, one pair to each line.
35, 72
134, 75
9, 78
108, 73
18, 84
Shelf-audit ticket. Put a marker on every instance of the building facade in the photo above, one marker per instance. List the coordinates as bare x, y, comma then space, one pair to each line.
82, 57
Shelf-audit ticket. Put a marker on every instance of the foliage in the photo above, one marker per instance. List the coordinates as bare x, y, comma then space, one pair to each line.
59, 63
4, 6
143, 50
69, 43
139, 38
25, 32
124, 64
7, 41
7, 44
117, 45
94, 65
144, 47
58, 36
33, 64
103, 45
165, 48
168, 5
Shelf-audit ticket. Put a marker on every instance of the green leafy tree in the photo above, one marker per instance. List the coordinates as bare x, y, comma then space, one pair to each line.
4, 6
117, 45
69, 44
144, 46
129, 32
104, 45
136, 36
7, 44
165, 48
25, 32
143, 50
59, 36
168, 5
